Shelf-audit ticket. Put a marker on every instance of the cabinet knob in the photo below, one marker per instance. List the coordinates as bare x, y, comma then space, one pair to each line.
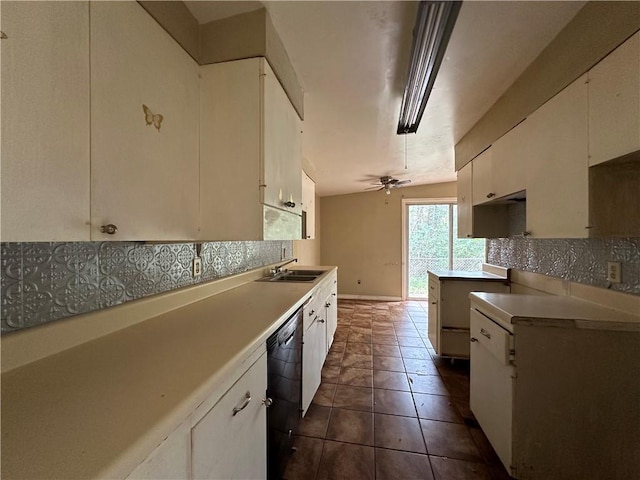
468, 235
328, 304
267, 402
526, 234
321, 320
473, 339
290, 204
247, 399
110, 229
434, 303
312, 312
491, 195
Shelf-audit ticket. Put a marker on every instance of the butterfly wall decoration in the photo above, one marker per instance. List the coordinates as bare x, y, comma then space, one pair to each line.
152, 118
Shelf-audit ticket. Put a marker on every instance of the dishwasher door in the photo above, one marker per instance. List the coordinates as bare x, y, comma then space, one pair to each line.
284, 369
492, 384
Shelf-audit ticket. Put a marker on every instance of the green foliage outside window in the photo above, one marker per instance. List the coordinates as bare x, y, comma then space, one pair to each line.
430, 232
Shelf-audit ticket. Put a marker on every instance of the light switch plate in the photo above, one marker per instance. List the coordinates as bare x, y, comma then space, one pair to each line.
197, 267
613, 272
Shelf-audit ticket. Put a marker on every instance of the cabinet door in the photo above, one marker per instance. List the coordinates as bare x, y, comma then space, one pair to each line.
482, 179
614, 103
230, 443
282, 159
313, 355
45, 121
331, 313
309, 206
465, 206
557, 176
433, 329
230, 126
170, 460
144, 173
510, 154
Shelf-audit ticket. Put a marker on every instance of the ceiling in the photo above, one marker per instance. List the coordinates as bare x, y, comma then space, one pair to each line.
351, 59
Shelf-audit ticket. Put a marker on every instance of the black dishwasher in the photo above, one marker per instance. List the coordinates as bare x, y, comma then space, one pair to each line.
284, 387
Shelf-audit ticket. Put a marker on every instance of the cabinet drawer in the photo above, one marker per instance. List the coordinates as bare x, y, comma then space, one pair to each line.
495, 338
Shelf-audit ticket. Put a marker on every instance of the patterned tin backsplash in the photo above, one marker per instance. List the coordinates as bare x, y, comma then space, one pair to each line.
43, 282
576, 260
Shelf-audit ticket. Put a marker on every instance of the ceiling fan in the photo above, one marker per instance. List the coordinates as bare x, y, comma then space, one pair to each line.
387, 183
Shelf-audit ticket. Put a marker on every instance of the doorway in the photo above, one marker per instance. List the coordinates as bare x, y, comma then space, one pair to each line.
430, 231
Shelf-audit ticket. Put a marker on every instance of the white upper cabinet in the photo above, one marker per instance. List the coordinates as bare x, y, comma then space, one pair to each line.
144, 128
308, 207
557, 176
482, 179
45, 121
614, 103
250, 158
511, 153
465, 206
282, 159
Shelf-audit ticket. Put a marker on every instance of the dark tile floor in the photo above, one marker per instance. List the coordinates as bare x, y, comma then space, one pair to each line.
389, 407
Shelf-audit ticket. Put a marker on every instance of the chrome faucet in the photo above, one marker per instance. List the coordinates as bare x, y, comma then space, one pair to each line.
278, 268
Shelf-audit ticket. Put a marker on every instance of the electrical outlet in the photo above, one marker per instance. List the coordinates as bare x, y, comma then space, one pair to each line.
197, 267
613, 272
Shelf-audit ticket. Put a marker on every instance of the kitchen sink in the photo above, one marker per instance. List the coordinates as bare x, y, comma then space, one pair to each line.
294, 276
315, 273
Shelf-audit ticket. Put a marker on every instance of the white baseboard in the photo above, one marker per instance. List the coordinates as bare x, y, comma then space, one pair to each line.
379, 298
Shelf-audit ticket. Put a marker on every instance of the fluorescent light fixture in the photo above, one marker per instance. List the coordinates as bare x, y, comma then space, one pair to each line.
434, 24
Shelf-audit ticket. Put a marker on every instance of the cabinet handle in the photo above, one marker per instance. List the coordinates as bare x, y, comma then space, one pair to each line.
473, 339
434, 303
491, 195
247, 399
110, 229
290, 204
267, 402
485, 333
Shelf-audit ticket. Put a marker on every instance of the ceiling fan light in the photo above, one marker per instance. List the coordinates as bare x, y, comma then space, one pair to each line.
434, 24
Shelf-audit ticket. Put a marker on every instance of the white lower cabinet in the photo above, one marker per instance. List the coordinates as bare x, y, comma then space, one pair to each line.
331, 312
313, 355
492, 384
448, 327
230, 441
320, 323
169, 461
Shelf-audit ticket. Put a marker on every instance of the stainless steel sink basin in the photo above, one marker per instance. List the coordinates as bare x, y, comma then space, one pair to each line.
294, 276
315, 273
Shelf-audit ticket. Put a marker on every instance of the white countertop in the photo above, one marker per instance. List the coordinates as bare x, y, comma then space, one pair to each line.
552, 311
96, 410
463, 275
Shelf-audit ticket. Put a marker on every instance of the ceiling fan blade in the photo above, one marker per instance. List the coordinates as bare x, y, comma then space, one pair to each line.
371, 188
400, 183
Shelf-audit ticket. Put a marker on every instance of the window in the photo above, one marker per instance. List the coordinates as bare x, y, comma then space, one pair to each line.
431, 243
